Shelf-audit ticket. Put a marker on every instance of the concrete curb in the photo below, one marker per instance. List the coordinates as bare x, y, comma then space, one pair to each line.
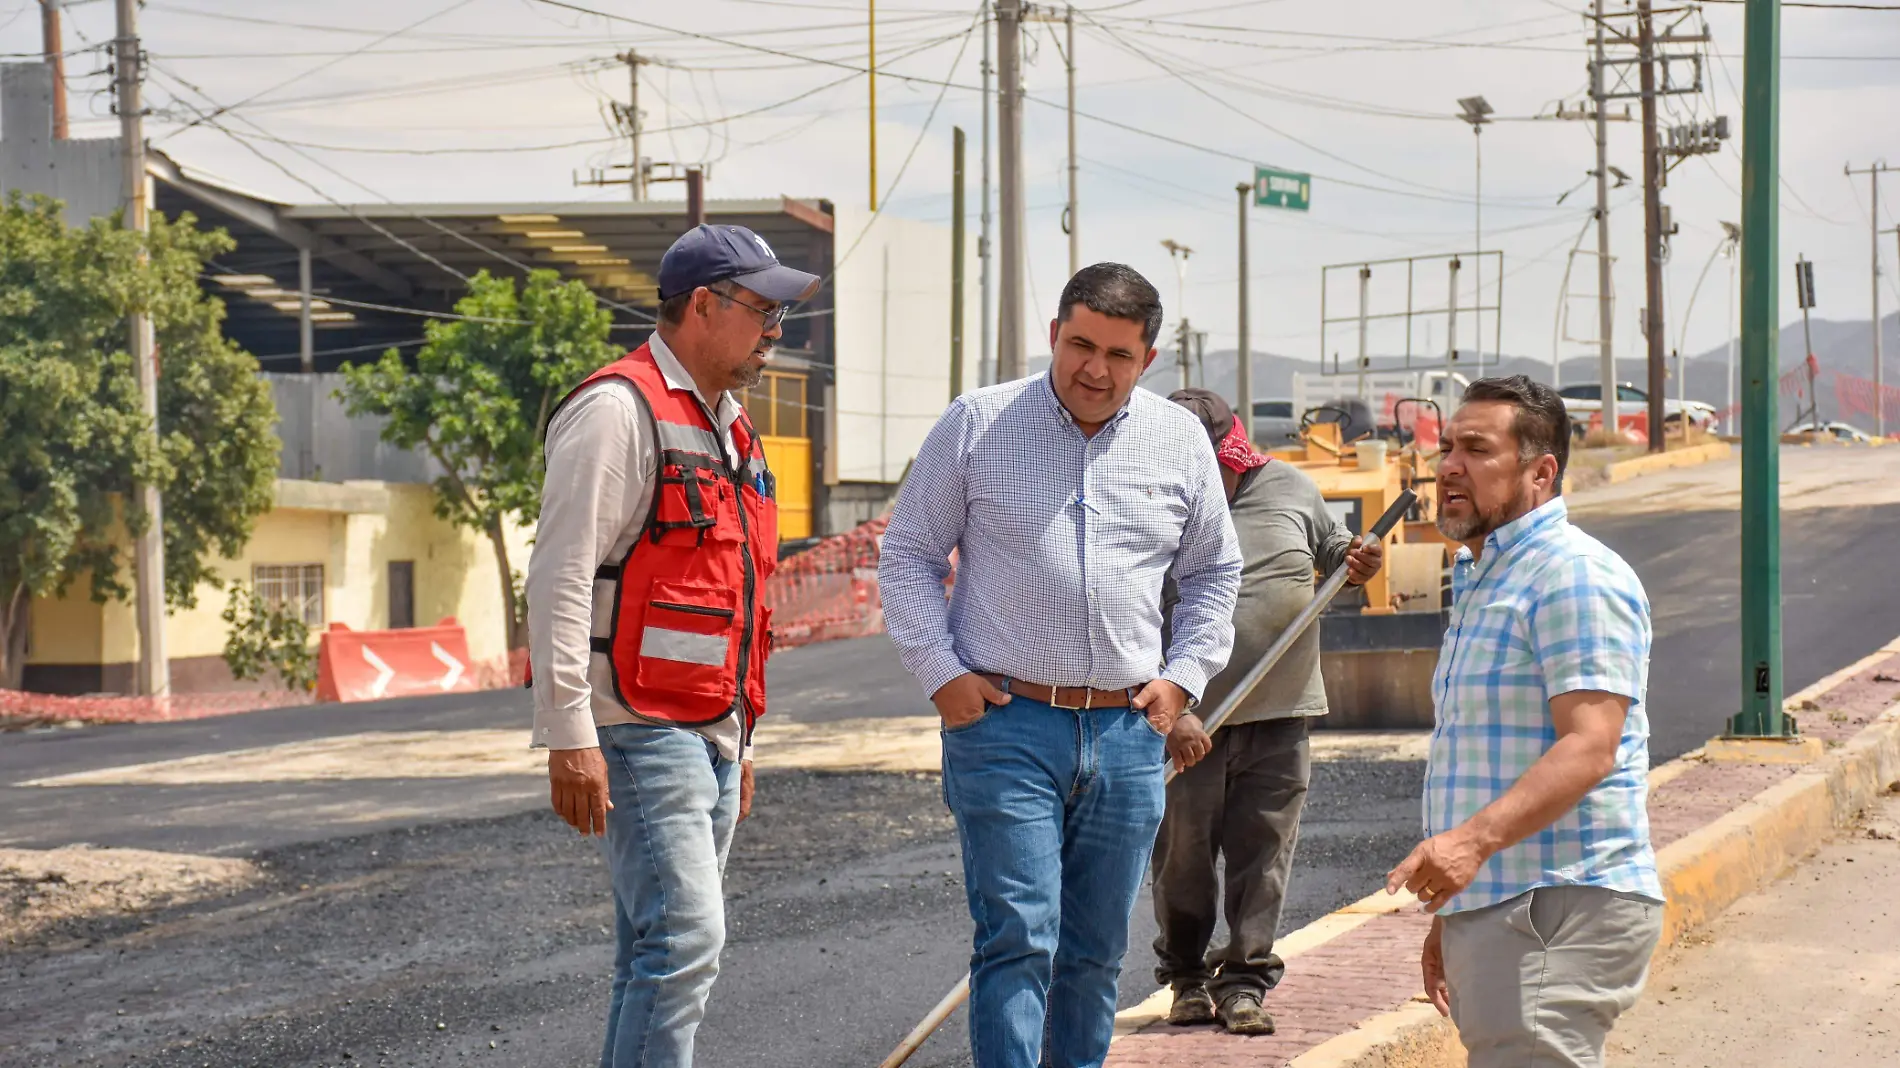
1703, 873
1694, 456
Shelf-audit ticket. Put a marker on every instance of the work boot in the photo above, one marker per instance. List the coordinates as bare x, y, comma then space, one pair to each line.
1241, 1014
1192, 1005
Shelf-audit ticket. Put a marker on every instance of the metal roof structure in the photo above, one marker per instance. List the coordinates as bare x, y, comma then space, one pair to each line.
379, 270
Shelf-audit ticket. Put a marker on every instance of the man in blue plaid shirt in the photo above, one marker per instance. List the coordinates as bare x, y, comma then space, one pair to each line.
1537, 864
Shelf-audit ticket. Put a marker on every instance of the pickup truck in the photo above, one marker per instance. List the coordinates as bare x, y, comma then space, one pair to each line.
1585, 399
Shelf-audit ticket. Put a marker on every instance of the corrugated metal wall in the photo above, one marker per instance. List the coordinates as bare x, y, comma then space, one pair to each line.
324, 444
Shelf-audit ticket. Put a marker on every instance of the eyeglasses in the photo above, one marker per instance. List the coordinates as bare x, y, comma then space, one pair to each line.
768, 319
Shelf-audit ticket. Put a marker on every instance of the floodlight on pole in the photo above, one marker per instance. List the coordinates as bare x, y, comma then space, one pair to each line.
1476, 110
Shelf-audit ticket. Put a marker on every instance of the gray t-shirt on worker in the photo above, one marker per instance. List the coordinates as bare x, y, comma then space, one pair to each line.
1286, 532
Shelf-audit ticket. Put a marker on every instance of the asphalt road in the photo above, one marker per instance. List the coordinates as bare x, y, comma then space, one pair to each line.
416, 922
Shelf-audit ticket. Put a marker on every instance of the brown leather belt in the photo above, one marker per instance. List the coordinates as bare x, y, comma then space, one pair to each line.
1074, 698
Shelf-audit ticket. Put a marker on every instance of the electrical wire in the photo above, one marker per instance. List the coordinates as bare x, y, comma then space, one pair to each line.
455, 5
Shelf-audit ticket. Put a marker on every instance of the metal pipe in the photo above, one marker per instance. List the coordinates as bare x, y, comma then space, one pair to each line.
1365, 287
956, 262
1243, 368
1210, 723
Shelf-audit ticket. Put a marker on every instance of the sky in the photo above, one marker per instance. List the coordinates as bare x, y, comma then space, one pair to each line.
366, 102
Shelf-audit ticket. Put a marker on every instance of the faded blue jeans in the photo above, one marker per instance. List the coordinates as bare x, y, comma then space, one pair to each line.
675, 803
1057, 812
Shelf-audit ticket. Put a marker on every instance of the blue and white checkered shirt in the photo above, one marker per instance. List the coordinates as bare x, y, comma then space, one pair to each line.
1545, 611
1062, 541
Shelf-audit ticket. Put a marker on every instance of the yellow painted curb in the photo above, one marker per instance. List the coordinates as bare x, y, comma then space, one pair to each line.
1693, 456
1413, 1036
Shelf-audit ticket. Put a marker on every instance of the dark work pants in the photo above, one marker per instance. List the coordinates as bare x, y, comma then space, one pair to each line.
1242, 803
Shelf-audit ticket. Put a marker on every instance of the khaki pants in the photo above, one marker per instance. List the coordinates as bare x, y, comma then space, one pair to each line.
1538, 981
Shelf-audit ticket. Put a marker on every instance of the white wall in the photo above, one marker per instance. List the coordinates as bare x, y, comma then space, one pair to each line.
893, 339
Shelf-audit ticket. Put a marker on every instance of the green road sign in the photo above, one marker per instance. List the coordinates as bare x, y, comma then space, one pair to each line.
1282, 189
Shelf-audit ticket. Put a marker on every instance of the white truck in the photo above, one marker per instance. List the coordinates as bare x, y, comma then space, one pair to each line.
1584, 400
1371, 401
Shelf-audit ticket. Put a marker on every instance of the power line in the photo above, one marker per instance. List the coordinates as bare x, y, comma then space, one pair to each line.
299, 76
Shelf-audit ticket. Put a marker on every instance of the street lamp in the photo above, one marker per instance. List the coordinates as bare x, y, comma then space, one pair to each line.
1179, 253
1476, 110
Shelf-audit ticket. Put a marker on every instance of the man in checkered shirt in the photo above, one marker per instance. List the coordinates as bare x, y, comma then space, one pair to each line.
1537, 864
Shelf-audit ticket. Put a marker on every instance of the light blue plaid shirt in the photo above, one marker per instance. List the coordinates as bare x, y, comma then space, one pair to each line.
1062, 541
1545, 611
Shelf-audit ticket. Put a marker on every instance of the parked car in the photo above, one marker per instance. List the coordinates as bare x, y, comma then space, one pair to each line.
1847, 432
1275, 423
1585, 399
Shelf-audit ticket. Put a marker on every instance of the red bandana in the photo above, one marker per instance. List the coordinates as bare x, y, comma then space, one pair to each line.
1236, 454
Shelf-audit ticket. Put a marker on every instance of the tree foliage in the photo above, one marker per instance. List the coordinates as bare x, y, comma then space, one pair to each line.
73, 441
262, 637
478, 397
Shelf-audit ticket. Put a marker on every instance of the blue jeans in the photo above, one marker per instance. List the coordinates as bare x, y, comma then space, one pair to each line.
675, 803
1057, 812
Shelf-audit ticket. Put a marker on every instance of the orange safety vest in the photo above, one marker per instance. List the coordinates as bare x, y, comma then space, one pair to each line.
690, 630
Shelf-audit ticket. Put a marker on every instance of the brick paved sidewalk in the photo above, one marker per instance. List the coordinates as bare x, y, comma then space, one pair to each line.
1331, 989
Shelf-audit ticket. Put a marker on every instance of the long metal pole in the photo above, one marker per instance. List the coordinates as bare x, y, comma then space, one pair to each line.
1381, 528
1873, 182
149, 551
1606, 325
1477, 250
1652, 225
1729, 415
1243, 368
306, 335
1010, 344
986, 368
1075, 226
1761, 712
1451, 339
956, 262
871, 68
1365, 293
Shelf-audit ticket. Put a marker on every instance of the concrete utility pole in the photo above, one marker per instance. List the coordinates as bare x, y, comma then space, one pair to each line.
986, 369
55, 53
1179, 253
1873, 174
956, 262
637, 180
1074, 224
695, 197
1654, 252
1606, 319
148, 556
1761, 711
1244, 366
1011, 357
306, 332
871, 68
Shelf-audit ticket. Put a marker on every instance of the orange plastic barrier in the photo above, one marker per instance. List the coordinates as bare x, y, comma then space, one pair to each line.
1635, 426
369, 665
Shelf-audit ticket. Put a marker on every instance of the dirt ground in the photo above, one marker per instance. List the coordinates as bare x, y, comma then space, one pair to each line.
40, 888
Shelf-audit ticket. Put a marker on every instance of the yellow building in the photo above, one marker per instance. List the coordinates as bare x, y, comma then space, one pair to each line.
370, 555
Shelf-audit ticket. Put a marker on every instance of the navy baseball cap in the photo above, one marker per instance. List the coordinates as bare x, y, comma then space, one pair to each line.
708, 253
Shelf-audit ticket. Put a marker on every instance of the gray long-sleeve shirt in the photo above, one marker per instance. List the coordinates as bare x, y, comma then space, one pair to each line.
1286, 532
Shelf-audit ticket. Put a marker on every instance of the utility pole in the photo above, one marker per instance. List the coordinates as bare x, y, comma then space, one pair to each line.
956, 262
871, 68
55, 53
1734, 253
1606, 324
695, 197
1179, 253
1804, 296
1654, 252
1477, 112
1244, 367
637, 180
1074, 224
1183, 350
985, 369
154, 674
1761, 714
1010, 353
1873, 185
640, 172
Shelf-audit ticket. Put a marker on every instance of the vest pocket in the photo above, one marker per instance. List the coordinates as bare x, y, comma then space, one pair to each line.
689, 641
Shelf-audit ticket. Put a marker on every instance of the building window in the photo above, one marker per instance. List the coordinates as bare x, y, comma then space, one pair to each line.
297, 588
777, 405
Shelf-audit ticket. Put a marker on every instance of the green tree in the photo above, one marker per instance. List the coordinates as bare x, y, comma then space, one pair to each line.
73, 441
262, 637
477, 400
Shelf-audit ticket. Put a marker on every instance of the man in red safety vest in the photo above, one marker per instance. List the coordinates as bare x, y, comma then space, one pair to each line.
648, 630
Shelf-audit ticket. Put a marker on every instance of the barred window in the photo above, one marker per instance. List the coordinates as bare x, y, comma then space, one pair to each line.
295, 587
